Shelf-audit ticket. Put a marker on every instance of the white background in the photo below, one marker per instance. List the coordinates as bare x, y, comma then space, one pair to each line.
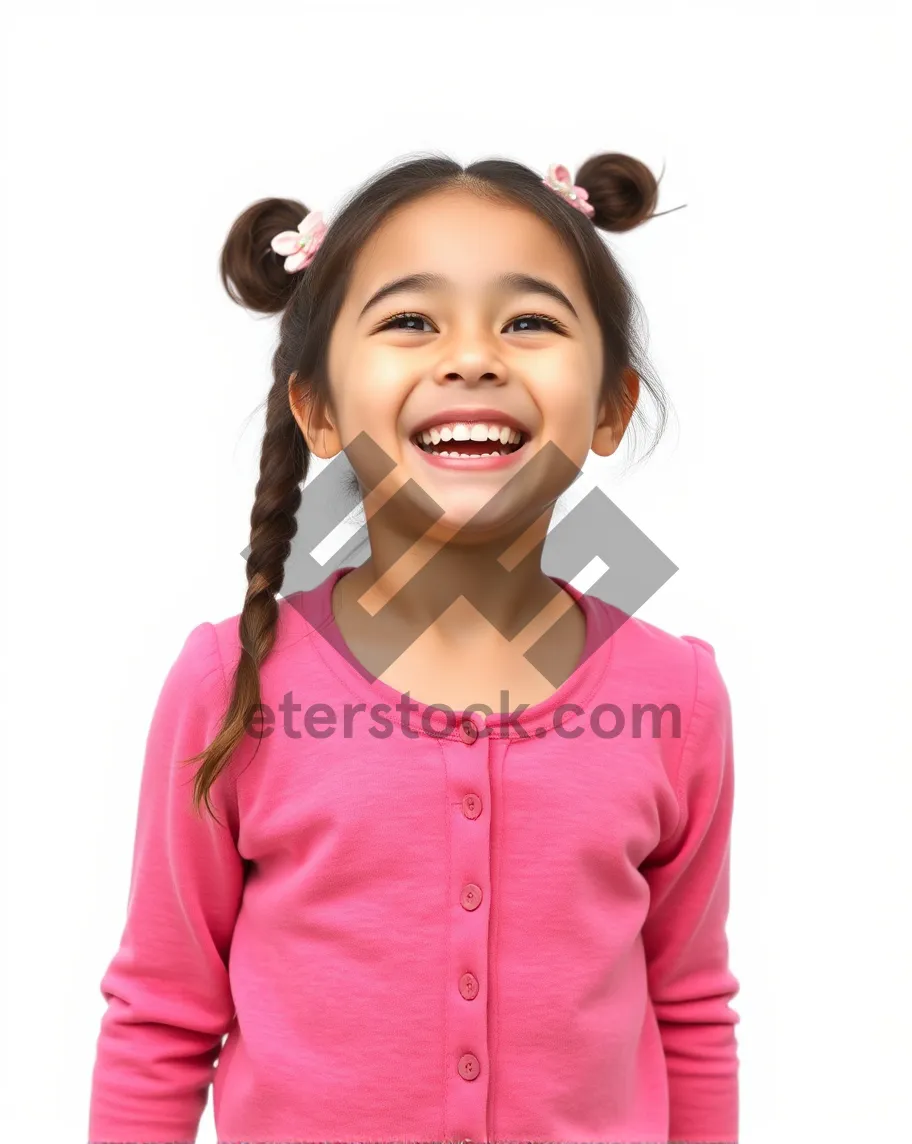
778, 313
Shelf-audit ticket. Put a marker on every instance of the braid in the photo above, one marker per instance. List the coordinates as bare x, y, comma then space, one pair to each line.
273, 524
284, 459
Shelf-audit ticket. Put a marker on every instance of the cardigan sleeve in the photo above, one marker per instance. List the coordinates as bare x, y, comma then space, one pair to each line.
169, 1003
690, 983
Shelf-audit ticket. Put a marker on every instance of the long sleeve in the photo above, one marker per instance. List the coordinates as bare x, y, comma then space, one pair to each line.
168, 998
685, 940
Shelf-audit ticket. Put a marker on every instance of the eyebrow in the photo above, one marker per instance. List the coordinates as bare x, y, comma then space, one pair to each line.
518, 283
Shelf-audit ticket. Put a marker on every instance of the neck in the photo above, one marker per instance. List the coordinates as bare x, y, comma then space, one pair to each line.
416, 581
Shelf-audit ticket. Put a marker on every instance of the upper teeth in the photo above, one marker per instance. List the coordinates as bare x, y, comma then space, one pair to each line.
476, 431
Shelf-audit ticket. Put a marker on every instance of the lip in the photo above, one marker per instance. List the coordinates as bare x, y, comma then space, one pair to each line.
468, 414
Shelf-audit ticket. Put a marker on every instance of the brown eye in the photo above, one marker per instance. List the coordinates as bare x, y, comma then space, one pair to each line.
392, 323
552, 323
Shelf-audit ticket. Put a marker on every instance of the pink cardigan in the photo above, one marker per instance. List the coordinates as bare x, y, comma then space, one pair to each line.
408, 934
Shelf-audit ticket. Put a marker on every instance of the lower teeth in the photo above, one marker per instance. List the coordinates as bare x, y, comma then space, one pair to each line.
500, 453
466, 456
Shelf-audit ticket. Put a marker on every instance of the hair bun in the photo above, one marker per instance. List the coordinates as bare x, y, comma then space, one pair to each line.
622, 190
252, 273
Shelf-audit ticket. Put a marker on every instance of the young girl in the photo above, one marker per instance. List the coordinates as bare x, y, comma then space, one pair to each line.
454, 862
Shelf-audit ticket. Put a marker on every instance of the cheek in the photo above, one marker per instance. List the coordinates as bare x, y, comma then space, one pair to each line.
568, 407
574, 437
370, 400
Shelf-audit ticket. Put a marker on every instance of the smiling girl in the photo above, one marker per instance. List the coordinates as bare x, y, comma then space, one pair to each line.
454, 892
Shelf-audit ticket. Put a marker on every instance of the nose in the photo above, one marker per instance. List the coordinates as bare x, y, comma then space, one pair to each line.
474, 361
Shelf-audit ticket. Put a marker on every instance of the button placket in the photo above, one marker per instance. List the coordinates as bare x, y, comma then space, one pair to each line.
471, 896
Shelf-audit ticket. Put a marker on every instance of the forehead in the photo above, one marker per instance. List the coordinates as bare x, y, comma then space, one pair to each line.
465, 237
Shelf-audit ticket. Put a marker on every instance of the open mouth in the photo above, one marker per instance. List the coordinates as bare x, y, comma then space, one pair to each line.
468, 440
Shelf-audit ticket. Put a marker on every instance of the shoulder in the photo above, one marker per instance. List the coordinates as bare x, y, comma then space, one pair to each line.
296, 623
199, 683
690, 676
654, 669
198, 667
638, 648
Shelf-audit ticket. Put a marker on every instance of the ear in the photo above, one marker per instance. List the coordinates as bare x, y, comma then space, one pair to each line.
313, 420
610, 429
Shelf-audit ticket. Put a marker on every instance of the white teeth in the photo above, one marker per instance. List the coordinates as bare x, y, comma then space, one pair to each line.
472, 456
477, 431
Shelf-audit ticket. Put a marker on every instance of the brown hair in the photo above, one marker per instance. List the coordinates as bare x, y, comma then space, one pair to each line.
623, 193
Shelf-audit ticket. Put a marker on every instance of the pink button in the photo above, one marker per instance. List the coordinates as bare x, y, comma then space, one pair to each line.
471, 806
470, 896
468, 732
469, 1068
468, 986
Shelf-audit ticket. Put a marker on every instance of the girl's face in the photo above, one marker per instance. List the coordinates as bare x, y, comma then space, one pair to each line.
466, 350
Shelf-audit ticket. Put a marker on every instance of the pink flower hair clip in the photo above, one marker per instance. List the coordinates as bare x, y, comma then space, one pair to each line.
558, 179
302, 244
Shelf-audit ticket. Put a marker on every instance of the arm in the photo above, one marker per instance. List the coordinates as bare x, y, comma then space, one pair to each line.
168, 998
686, 947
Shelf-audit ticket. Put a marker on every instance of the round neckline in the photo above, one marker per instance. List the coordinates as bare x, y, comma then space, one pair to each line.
433, 719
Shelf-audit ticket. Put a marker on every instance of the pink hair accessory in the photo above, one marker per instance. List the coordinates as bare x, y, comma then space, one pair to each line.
558, 179
302, 244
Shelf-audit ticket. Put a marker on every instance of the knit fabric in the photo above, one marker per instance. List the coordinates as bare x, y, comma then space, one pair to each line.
419, 929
